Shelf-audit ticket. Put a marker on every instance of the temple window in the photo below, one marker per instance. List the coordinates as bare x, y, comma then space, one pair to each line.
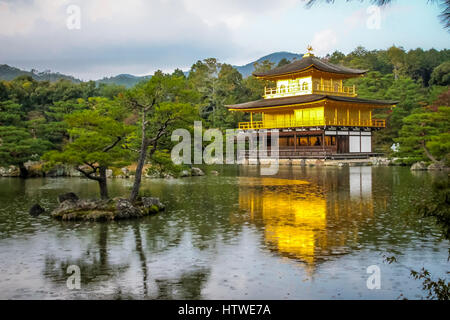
315, 141
302, 141
330, 140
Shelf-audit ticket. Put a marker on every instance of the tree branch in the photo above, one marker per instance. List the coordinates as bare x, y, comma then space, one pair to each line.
162, 129
126, 147
427, 153
144, 108
147, 108
112, 145
88, 175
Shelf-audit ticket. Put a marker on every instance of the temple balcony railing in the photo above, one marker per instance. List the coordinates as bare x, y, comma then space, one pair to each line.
286, 91
334, 88
318, 87
374, 123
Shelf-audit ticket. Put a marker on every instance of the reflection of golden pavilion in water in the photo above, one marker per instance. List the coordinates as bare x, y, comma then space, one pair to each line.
301, 220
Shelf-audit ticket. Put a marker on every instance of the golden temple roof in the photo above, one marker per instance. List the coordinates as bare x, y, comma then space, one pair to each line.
278, 102
307, 62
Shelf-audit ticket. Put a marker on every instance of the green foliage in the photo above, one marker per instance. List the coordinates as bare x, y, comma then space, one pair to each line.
172, 101
96, 137
415, 78
18, 146
55, 129
162, 164
10, 113
416, 64
441, 74
36, 110
18, 143
336, 57
437, 289
426, 131
110, 91
283, 62
162, 104
255, 87
263, 66
208, 78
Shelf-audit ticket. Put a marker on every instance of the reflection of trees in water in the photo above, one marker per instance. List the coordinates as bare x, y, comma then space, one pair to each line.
142, 258
94, 265
188, 286
397, 190
207, 211
97, 269
17, 196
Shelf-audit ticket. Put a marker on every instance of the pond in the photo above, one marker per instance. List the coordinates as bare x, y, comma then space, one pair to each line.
306, 233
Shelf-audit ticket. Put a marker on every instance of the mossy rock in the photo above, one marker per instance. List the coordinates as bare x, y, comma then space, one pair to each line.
153, 209
106, 210
85, 215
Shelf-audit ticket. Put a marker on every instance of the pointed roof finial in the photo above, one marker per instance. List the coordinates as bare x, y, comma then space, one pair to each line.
310, 50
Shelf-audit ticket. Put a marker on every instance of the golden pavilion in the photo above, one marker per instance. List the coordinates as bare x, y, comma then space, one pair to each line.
315, 114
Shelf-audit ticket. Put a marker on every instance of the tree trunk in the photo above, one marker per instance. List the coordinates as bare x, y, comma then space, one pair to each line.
23, 171
102, 181
141, 162
427, 153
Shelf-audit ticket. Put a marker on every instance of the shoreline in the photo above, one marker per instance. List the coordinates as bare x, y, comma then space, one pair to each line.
36, 171
125, 173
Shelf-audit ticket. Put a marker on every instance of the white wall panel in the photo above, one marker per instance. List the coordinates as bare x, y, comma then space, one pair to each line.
355, 142
366, 144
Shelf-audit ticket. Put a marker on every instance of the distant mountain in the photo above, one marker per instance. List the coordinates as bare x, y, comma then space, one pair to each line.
276, 57
9, 73
126, 80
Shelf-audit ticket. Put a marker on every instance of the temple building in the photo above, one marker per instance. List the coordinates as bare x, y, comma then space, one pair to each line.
315, 114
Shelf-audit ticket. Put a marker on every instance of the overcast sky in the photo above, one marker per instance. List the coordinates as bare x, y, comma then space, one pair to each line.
141, 36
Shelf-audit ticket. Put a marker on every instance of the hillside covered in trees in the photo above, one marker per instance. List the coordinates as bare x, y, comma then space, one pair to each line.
10, 73
40, 116
128, 80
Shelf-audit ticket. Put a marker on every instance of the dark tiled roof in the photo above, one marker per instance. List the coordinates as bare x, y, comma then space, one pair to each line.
307, 62
279, 102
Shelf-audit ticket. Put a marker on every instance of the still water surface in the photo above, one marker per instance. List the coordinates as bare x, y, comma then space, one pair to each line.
307, 233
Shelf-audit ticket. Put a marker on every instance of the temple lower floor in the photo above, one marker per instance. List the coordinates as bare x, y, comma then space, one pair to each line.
338, 143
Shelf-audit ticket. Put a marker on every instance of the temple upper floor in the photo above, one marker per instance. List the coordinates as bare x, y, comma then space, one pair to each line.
309, 75
309, 85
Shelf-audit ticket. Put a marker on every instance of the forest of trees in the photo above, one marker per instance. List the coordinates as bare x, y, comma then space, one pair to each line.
94, 127
419, 80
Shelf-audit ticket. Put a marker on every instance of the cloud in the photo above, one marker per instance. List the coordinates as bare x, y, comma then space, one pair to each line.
127, 33
20, 17
156, 34
324, 41
141, 36
235, 13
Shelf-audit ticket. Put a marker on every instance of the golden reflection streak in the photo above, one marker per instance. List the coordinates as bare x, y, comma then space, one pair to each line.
295, 214
291, 220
